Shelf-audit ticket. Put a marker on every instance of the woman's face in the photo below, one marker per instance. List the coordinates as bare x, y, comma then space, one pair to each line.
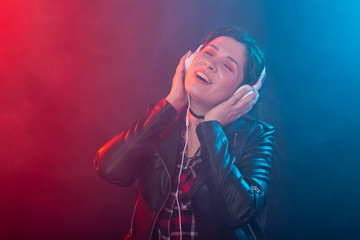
216, 71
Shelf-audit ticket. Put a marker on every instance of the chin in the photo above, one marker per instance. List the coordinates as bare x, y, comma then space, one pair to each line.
202, 99
203, 95
196, 93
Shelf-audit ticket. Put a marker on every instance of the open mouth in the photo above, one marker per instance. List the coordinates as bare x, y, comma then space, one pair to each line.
202, 77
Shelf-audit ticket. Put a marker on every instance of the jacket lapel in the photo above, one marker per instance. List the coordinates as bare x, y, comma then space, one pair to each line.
230, 130
168, 146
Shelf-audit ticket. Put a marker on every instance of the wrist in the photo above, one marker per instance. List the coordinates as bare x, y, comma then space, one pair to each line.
211, 116
209, 119
176, 103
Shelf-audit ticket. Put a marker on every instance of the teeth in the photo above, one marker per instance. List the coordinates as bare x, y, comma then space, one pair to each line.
203, 76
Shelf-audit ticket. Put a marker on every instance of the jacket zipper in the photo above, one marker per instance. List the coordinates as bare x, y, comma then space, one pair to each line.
251, 231
164, 202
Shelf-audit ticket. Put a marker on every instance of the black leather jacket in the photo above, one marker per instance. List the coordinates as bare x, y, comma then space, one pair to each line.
230, 189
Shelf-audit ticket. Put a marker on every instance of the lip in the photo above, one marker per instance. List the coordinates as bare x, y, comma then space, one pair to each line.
203, 77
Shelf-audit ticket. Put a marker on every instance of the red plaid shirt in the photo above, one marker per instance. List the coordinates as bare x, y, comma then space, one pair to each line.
167, 225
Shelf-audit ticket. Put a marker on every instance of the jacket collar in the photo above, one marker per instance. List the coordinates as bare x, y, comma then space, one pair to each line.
232, 128
168, 146
237, 126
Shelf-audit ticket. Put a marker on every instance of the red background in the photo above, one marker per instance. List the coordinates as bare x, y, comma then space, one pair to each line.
73, 74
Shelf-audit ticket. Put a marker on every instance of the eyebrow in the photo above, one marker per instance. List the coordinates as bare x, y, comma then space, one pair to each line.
228, 57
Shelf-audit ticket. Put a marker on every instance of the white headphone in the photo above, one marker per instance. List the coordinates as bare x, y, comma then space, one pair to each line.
182, 163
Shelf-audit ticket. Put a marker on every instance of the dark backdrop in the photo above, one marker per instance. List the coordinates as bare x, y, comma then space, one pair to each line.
73, 74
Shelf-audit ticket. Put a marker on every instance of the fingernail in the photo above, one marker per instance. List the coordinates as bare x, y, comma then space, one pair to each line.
250, 88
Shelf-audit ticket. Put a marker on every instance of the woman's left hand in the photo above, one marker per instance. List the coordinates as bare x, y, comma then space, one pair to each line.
234, 107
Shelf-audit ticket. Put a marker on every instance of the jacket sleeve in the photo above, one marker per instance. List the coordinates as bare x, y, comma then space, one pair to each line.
119, 159
238, 184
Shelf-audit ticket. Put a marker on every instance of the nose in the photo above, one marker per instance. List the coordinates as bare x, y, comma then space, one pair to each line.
210, 65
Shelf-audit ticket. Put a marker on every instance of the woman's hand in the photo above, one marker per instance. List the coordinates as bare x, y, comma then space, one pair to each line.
177, 96
234, 107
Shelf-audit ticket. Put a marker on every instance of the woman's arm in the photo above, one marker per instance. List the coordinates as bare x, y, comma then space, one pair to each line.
238, 185
118, 160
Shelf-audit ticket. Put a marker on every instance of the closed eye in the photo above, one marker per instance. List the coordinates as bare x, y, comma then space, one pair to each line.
209, 53
229, 68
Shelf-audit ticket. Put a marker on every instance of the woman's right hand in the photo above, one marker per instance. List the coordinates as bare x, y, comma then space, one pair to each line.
177, 96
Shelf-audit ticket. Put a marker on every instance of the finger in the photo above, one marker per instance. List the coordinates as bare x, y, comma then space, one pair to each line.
251, 97
182, 60
252, 100
245, 112
185, 56
254, 97
247, 102
240, 92
252, 93
181, 65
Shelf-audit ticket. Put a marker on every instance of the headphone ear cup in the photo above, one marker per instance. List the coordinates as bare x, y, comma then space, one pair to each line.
190, 57
188, 60
261, 79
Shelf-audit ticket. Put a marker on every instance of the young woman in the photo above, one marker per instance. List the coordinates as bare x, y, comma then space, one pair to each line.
203, 164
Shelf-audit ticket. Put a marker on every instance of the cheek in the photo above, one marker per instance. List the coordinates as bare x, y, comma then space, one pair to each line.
187, 81
192, 87
229, 84
223, 91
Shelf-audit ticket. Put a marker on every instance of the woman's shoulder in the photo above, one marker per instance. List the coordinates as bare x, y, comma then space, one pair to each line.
248, 123
254, 122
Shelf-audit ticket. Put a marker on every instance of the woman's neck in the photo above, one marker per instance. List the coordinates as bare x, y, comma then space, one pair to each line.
193, 141
198, 110
194, 121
